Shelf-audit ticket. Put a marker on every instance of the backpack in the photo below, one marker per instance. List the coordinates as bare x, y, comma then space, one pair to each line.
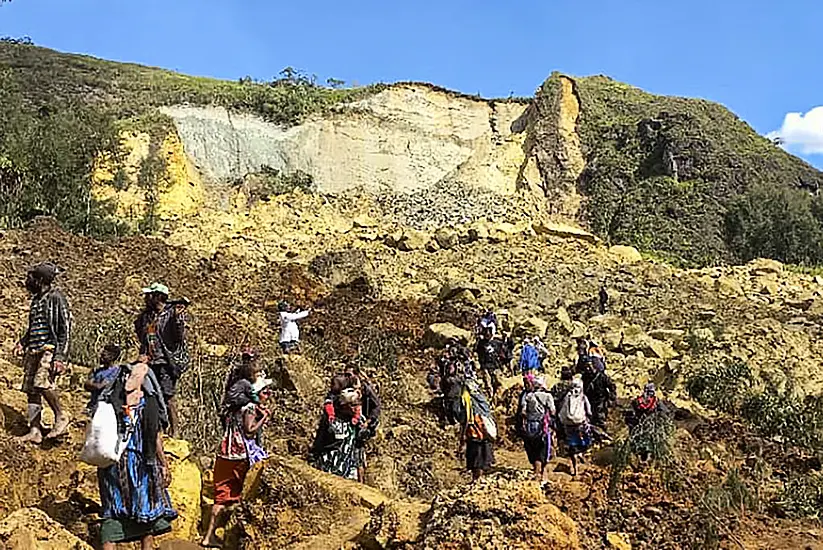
104, 446
476, 410
573, 411
536, 416
529, 358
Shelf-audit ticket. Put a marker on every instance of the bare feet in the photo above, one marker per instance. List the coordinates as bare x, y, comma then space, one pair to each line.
211, 542
61, 426
34, 437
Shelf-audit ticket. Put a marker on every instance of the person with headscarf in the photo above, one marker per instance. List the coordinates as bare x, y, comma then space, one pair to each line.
243, 416
535, 413
575, 414
44, 349
134, 495
643, 406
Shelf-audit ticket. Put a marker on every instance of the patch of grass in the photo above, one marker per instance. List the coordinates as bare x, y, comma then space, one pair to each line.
653, 440
89, 337
130, 90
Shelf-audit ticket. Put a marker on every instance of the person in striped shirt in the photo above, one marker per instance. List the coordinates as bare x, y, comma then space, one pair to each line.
44, 349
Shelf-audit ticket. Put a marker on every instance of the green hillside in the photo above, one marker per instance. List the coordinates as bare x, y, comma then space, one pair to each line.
59, 112
687, 178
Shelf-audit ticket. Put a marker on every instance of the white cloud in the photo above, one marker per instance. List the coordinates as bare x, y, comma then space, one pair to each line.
802, 132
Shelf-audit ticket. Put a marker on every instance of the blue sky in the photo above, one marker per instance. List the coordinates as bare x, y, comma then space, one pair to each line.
760, 58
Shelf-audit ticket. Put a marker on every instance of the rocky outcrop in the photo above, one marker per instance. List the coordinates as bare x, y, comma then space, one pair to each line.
498, 513
438, 334
33, 529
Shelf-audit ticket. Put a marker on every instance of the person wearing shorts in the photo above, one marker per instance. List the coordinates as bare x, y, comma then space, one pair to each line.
44, 349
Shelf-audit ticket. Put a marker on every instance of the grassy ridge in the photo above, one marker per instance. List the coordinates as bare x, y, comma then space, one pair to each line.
130, 90
688, 178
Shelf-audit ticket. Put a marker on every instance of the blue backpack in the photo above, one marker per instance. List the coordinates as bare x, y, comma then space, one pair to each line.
529, 358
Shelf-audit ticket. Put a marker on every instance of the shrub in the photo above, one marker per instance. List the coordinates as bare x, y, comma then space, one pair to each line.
47, 156
775, 222
801, 497
796, 421
652, 439
720, 386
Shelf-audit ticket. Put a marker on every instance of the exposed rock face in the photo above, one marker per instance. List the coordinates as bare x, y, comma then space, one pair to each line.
404, 138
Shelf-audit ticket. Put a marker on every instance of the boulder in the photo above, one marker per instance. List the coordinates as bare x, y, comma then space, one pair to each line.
662, 350
412, 239
728, 286
453, 290
502, 232
565, 320
764, 266
626, 254
533, 326
495, 512
394, 524
478, 231
294, 372
564, 231
33, 529
668, 335
346, 269
185, 488
618, 541
438, 334
447, 238
364, 221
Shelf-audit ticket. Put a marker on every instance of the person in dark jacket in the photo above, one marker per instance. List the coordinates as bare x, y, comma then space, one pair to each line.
44, 348
488, 356
161, 331
601, 392
369, 420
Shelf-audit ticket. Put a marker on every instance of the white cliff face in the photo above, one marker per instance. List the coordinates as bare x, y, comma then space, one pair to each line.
405, 138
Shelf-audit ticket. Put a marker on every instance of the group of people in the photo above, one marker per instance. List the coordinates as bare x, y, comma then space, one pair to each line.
573, 411
133, 491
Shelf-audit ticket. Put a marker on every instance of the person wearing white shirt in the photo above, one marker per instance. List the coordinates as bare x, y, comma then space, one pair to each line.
289, 331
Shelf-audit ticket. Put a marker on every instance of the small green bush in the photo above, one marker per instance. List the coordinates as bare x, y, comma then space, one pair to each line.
721, 386
801, 497
653, 440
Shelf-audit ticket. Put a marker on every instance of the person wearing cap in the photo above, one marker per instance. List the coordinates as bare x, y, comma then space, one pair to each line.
44, 348
289, 331
243, 418
161, 332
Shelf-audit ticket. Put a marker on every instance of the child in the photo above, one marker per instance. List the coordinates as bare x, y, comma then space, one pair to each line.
341, 383
101, 377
